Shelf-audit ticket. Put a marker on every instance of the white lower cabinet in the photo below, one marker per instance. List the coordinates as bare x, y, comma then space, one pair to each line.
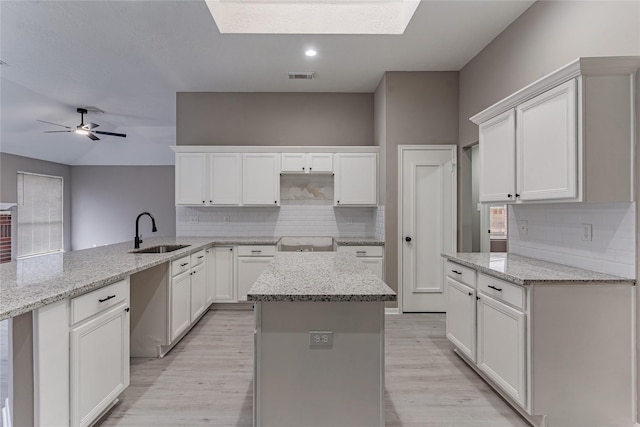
461, 317
99, 351
220, 277
180, 304
251, 262
198, 291
501, 346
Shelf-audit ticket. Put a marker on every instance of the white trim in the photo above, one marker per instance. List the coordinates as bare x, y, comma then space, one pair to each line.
454, 199
581, 66
274, 149
6, 414
392, 310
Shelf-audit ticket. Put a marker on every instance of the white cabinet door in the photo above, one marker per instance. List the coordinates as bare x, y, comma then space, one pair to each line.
501, 346
461, 317
198, 290
225, 175
294, 162
547, 145
498, 158
180, 304
356, 179
320, 162
375, 265
261, 179
191, 186
99, 363
220, 277
249, 268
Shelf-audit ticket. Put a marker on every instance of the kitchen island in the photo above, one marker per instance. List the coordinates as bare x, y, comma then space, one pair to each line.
319, 342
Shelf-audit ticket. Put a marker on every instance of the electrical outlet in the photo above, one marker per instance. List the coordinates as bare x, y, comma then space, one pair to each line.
226, 219
321, 339
587, 232
524, 227
193, 220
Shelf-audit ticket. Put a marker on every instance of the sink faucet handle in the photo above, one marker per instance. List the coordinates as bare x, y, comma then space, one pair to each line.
140, 238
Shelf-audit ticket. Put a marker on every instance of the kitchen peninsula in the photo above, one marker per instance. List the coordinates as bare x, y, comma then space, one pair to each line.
319, 342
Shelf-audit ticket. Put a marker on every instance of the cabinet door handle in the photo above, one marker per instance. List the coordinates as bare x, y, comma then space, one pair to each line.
126, 309
456, 271
310, 169
275, 201
107, 298
493, 287
303, 168
203, 202
184, 264
509, 195
470, 293
338, 201
361, 252
517, 195
201, 256
407, 239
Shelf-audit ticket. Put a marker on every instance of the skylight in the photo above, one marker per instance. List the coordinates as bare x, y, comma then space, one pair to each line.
312, 17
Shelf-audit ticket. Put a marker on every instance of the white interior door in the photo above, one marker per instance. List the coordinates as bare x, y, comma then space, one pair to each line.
427, 224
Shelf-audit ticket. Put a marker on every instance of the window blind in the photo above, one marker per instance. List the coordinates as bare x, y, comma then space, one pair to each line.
39, 214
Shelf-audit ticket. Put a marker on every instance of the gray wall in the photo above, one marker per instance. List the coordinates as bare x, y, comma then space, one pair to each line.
547, 36
420, 108
11, 164
380, 135
214, 118
107, 199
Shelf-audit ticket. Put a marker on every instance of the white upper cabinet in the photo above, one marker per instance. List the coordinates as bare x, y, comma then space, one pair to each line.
356, 179
547, 146
261, 179
191, 188
307, 162
497, 157
225, 176
566, 137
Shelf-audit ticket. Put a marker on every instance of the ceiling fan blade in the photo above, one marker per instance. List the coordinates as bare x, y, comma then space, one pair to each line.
56, 131
55, 124
93, 137
92, 125
124, 135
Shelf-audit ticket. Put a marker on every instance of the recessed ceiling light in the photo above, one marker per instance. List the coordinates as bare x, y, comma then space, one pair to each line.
311, 52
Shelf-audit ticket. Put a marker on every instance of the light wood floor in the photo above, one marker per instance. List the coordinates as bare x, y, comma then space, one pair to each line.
207, 379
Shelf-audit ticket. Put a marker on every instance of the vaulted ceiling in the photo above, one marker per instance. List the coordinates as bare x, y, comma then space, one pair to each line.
129, 58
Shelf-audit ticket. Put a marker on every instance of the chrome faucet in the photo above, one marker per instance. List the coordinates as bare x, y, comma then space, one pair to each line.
138, 239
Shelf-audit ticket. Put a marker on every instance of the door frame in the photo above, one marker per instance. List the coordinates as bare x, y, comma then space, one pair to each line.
454, 200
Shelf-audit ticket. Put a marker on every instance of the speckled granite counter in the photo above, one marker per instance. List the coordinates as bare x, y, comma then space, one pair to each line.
329, 276
527, 271
358, 241
34, 282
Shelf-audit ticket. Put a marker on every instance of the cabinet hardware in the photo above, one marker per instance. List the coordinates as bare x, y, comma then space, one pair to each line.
493, 287
107, 298
361, 252
338, 201
456, 271
477, 298
210, 201
407, 239
182, 265
126, 309
303, 168
509, 195
256, 252
517, 195
310, 169
275, 201
201, 256
230, 249
203, 201
470, 293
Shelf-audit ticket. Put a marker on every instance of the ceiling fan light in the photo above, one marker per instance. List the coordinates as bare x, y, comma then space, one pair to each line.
81, 131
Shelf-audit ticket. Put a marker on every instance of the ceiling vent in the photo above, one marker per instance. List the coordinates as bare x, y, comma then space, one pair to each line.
305, 75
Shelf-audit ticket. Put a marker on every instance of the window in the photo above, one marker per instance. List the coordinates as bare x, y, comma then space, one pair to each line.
39, 214
498, 222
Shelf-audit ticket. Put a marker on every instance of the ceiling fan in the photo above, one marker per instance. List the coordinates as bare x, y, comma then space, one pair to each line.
83, 129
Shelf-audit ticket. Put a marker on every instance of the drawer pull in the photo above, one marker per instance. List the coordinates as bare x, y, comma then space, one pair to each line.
256, 251
361, 252
456, 271
107, 298
493, 287
470, 293
184, 264
201, 256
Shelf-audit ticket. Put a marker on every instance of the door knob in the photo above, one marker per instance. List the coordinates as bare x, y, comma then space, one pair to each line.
408, 239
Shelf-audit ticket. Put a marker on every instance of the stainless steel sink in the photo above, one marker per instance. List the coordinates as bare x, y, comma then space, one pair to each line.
159, 249
306, 244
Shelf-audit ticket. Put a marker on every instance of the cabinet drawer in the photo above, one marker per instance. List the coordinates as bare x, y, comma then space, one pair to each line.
363, 251
180, 265
197, 258
501, 290
257, 250
461, 273
94, 302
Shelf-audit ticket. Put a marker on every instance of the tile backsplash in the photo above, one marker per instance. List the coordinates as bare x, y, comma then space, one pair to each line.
310, 218
554, 232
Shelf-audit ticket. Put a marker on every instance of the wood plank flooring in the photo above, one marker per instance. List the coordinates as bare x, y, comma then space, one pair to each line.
207, 379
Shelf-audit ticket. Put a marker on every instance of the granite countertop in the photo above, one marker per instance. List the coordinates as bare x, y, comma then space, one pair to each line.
523, 270
31, 283
358, 241
315, 276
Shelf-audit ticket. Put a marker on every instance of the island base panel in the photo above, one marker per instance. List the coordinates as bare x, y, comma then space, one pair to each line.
296, 384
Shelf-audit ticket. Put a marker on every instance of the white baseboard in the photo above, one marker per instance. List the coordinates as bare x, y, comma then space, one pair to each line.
392, 310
